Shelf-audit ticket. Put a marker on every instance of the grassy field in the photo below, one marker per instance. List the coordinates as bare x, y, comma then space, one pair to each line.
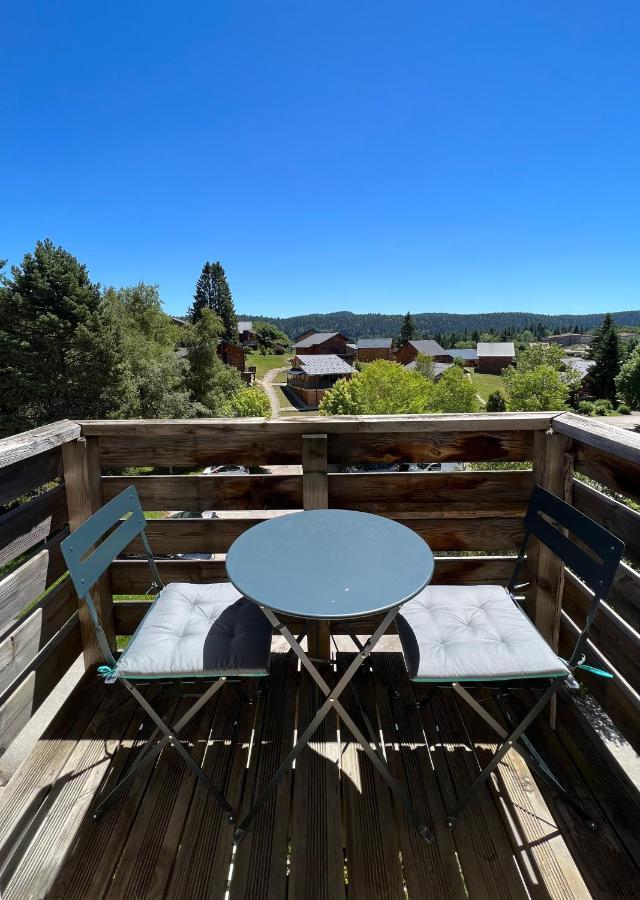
270, 361
487, 384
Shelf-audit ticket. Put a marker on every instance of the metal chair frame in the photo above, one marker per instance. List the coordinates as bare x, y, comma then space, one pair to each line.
88, 552
597, 570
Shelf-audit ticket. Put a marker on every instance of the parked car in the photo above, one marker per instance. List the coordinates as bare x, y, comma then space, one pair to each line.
226, 470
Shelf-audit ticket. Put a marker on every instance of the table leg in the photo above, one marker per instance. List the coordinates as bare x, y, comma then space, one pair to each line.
332, 701
319, 641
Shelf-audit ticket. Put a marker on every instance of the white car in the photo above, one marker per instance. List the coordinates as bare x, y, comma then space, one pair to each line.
226, 470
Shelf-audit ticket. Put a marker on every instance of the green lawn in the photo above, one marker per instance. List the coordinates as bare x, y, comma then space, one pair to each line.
487, 384
270, 361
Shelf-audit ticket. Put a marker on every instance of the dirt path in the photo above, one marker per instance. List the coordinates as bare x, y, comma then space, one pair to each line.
270, 391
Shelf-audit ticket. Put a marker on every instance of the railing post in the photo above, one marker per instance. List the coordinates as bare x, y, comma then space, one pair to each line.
315, 495
81, 466
553, 470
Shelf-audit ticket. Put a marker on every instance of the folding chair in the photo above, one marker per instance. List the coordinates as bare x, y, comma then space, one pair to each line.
455, 635
191, 631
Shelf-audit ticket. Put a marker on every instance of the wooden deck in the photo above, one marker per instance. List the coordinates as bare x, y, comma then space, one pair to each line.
332, 829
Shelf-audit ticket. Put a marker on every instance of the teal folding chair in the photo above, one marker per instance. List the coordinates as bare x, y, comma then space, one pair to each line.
461, 636
191, 631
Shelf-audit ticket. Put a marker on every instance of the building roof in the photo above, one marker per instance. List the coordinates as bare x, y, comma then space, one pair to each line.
323, 364
429, 348
319, 337
504, 348
582, 365
374, 343
438, 368
245, 325
463, 354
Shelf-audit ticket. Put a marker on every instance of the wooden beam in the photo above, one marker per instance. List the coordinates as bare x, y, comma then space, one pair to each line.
619, 518
81, 462
38, 440
22, 586
554, 472
25, 474
30, 523
315, 495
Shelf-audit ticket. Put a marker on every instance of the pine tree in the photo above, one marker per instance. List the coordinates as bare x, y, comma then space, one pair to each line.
60, 346
605, 350
407, 330
213, 292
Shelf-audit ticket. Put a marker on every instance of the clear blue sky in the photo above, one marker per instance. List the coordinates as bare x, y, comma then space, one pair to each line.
369, 156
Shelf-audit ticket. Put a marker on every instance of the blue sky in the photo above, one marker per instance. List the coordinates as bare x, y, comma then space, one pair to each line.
468, 156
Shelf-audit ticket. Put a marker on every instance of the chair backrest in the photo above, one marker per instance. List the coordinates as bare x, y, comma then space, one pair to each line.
596, 568
87, 555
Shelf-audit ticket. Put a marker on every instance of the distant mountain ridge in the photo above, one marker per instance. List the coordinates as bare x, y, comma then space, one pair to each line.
357, 325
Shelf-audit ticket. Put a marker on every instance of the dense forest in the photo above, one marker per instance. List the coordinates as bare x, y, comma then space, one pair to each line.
357, 325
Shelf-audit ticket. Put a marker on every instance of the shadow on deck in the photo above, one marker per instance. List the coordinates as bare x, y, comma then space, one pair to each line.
332, 829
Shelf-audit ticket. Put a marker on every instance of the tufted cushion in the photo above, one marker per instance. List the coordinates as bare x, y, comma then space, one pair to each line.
463, 633
199, 629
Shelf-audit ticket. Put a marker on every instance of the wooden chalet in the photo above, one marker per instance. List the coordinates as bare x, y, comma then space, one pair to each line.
310, 377
493, 358
332, 829
408, 352
246, 334
232, 354
325, 343
370, 349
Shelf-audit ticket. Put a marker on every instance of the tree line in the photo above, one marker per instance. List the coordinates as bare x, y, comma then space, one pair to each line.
429, 325
71, 349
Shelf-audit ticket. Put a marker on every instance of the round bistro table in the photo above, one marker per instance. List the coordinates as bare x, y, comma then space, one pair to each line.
326, 565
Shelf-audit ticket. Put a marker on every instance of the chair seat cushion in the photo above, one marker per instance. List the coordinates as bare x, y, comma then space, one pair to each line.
472, 633
199, 630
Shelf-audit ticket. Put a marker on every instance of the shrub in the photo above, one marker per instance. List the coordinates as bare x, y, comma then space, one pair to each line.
623, 410
585, 408
496, 402
602, 407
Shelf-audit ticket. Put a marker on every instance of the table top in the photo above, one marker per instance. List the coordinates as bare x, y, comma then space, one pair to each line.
330, 564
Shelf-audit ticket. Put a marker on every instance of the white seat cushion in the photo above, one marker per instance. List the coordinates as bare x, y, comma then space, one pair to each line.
468, 633
199, 630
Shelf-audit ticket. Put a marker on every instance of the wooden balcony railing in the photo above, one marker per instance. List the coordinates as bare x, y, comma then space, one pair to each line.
472, 519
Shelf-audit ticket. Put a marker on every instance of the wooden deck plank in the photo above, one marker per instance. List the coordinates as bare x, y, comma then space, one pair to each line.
431, 870
260, 861
202, 864
70, 798
148, 855
87, 870
317, 856
545, 861
484, 849
371, 836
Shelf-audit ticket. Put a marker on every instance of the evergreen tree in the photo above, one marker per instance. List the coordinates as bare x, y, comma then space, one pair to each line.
407, 330
213, 292
60, 346
605, 350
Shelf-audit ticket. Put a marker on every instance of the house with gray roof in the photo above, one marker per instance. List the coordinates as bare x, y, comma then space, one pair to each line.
312, 375
408, 352
370, 349
325, 343
493, 358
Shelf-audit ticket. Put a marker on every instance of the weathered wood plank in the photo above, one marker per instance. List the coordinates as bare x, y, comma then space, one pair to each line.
431, 870
27, 474
317, 859
201, 492
617, 442
22, 586
38, 440
81, 463
169, 536
621, 520
624, 596
159, 428
545, 862
24, 643
133, 576
556, 477
30, 523
261, 862
44, 672
615, 639
370, 439
616, 696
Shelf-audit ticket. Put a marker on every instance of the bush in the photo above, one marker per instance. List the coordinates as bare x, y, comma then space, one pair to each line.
496, 402
585, 408
623, 410
602, 407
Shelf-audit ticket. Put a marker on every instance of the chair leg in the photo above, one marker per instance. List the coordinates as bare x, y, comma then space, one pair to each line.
509, 743
149, 753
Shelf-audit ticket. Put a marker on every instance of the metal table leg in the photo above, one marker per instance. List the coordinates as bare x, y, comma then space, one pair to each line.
332, 702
